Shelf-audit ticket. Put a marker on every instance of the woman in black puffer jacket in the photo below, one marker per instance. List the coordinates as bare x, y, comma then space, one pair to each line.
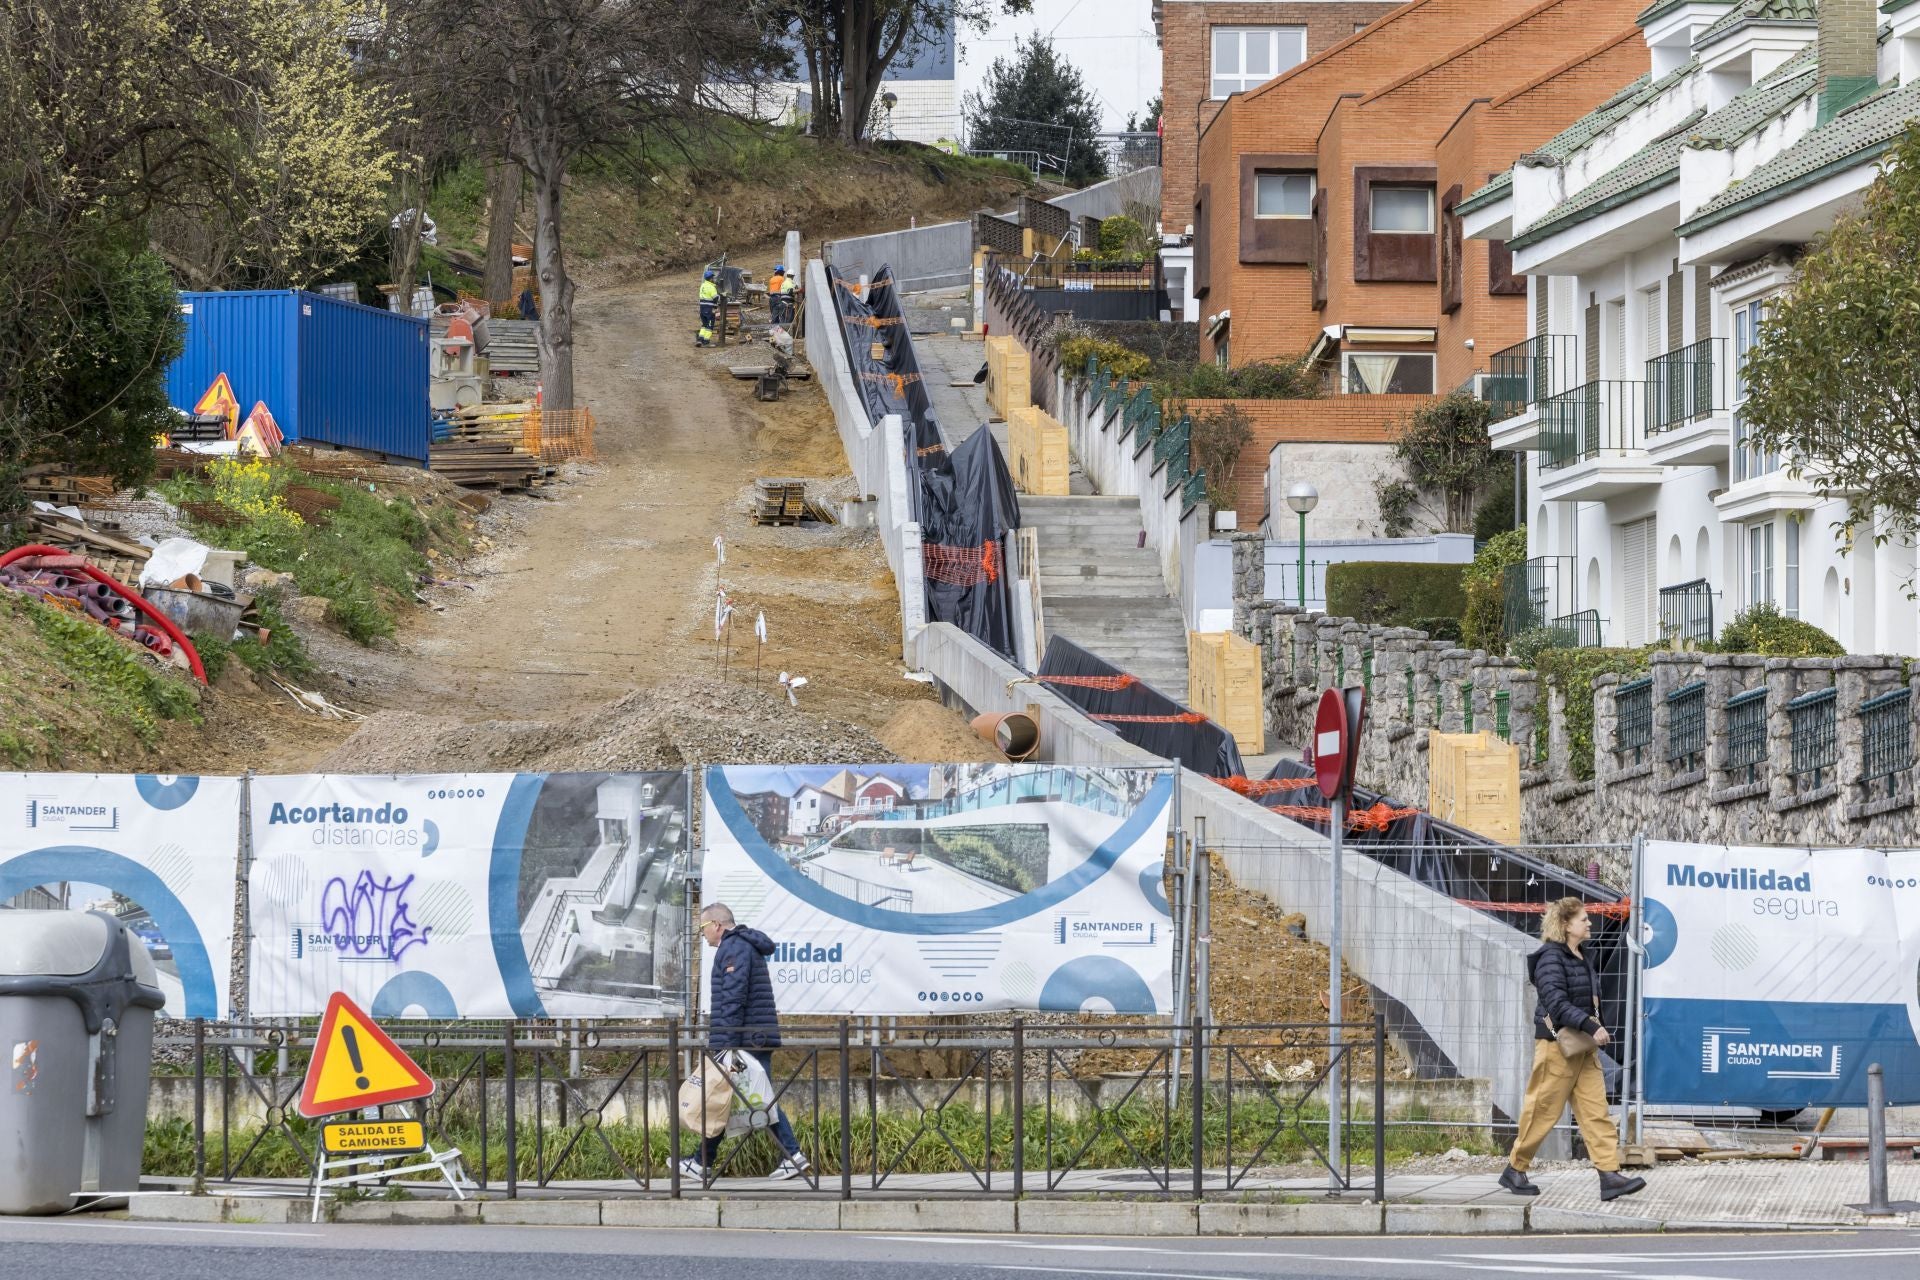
1569, 998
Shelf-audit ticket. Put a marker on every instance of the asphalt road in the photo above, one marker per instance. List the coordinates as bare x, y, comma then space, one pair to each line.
91, 1249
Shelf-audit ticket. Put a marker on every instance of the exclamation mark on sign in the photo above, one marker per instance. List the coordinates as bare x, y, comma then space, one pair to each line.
353, 1055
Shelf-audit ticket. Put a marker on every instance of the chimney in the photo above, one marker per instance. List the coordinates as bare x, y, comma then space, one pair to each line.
1849, 53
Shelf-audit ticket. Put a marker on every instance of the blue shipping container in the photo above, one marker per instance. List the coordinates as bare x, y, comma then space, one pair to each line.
330, 372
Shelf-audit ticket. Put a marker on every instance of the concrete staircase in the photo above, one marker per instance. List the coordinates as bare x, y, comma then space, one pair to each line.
1102, 590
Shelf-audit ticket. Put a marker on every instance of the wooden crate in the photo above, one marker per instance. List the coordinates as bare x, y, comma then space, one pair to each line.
1009, 377
1473, 781
1223, 684
1038, 448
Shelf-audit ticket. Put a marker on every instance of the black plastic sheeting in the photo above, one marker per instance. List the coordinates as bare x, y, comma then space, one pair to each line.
1477, 872
1203, 747
963, 499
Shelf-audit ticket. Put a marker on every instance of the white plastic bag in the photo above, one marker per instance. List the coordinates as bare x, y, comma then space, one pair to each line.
753, 1105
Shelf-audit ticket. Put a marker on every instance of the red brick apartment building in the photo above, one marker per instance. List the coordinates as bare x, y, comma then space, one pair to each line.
1323, 199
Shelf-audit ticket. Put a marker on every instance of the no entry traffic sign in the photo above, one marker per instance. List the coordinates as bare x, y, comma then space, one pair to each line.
1330, 744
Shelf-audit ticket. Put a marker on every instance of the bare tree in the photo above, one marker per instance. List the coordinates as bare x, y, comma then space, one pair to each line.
550, 79
503, 208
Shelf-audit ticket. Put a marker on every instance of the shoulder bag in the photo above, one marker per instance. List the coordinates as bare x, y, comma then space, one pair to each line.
1573, 1041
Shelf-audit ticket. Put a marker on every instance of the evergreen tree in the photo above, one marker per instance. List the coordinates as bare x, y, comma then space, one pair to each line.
1038, 101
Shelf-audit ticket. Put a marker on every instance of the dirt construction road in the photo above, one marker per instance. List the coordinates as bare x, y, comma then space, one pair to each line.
609, 585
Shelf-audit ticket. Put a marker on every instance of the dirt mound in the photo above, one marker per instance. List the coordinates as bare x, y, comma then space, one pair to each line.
699, 721
928, 733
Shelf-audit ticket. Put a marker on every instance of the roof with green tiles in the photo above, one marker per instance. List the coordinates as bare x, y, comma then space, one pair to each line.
1895, 6
1658, 163
1660, 8
1583, 130
1855, 137
1770, 11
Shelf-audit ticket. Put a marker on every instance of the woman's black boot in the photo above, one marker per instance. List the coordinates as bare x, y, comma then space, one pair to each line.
1516, 1181
1615, 1185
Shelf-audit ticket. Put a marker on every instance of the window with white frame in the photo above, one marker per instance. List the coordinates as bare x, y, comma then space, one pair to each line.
1389, 373
1749, 460
1760, 563
1247, 57
1283, 195
1402, 210
1793, 568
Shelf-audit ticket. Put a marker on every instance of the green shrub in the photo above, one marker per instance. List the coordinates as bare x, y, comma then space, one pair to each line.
1262, 380
1763, 629
1528, 645
1494, 516
1483, 621
125, 684
1074, 346
1438, 628
1572, 672
1394, 595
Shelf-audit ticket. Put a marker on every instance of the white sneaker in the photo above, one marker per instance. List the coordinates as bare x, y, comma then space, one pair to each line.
691, 1170
792, 1167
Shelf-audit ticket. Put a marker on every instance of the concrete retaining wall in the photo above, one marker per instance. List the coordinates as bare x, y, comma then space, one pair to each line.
1105, 199
877, 454
936, 256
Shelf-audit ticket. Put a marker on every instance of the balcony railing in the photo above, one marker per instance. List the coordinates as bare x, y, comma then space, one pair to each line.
1686, 611
1681, 386
1580, 630
1523, 373
1604, 416
1533, 589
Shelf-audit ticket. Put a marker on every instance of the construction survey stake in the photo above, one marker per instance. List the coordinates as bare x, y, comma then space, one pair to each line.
161, 852
355, 1064
1775, 977
481, 895
911, 889
372, 1137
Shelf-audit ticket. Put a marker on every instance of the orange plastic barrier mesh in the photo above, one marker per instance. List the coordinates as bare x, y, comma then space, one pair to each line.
1185, 717
1378, 818
1111, 684
962, 566
555, 435
1611, 910
1253, 787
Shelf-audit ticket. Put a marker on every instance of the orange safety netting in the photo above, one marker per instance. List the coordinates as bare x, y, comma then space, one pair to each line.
1252, 787
932, 448
875, 322
1620, 910
1378, 818
1185, 717
554, 435
961, 566
897, 382
1111, 684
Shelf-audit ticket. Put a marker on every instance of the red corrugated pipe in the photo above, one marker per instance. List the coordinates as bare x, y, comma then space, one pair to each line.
159, 619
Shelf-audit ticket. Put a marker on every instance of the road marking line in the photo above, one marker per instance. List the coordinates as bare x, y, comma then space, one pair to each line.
1717, 1255
1104, 1271
140, 1226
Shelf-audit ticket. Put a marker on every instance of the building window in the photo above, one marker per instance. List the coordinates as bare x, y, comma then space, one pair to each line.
1402, 210
1220, 351
1283, 195
1760, 563
1749, 460
1793, 568
1247, 57
1389, 373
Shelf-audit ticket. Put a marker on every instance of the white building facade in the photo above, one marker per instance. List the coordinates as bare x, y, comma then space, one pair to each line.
1653, 233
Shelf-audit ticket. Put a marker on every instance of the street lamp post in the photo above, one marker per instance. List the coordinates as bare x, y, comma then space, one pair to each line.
1303, 497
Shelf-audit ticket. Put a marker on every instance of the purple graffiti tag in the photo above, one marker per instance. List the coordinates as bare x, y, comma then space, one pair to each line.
370, 916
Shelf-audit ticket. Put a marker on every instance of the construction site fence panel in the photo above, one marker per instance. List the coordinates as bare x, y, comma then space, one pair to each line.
1183, 1110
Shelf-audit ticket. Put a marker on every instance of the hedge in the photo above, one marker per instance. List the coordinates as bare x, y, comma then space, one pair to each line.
1394, 595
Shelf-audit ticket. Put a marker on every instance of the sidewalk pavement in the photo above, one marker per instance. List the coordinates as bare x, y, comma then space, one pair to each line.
1679, 1197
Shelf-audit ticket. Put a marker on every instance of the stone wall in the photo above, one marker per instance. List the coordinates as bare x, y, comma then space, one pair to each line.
1655, 788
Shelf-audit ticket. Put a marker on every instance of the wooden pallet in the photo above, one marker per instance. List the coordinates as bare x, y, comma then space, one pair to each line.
777, 501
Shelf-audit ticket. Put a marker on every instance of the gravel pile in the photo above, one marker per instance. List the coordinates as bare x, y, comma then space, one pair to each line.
701, 721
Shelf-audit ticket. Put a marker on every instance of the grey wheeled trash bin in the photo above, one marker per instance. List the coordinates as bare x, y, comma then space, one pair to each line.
77, 999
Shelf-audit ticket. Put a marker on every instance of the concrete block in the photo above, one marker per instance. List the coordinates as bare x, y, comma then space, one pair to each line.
177, 1208
660, 1213
781, 1215
268, 1209
1547, 1219
542, 1213
1456, 1219
431, 1211
989, 1216
1325, 1218
1109, 1217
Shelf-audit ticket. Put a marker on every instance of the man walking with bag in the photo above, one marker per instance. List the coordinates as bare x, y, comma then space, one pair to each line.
743, 1017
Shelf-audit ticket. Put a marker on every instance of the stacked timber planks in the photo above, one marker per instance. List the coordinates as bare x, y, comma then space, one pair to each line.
484, 447
513, 346
786, 502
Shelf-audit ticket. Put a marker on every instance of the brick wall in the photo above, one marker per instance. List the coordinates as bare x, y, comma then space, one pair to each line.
1336, 419
1186, 73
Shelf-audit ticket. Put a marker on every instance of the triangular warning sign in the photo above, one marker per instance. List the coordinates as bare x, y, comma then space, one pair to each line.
219, 398
356, 1065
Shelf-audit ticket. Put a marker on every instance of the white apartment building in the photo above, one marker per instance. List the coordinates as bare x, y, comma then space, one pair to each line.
1653, 232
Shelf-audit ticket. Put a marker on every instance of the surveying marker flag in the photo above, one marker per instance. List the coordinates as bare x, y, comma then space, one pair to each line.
355, 1064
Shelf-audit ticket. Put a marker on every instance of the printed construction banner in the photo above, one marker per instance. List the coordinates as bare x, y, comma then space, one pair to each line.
916, 889
160, 852
1775, 977
492, 895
